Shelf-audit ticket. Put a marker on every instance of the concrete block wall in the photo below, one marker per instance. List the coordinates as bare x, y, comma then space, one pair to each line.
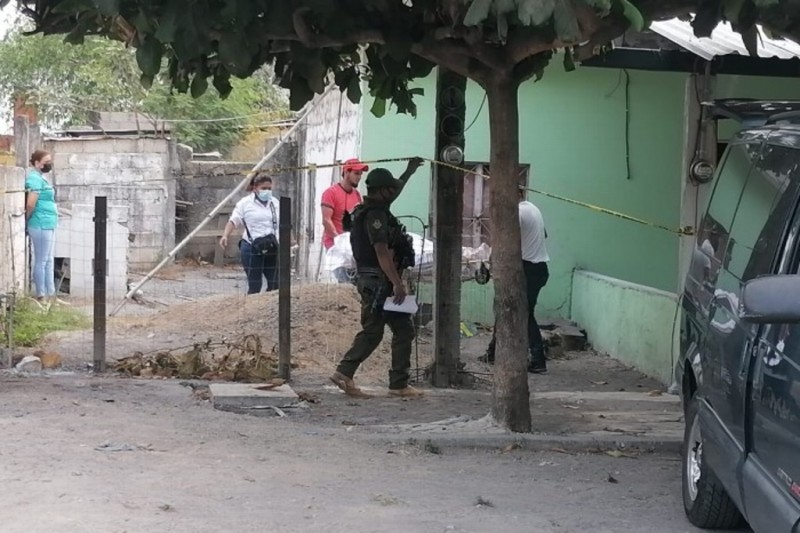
12, 229
75, 241
133, 172
206, 183
632, 323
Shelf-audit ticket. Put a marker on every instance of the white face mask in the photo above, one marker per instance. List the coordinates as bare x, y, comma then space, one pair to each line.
264, 195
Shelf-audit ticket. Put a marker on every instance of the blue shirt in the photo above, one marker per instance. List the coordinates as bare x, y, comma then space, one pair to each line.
45, 213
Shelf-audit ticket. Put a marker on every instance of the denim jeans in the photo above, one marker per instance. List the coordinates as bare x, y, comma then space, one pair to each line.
258, 267
344, 275
44, 246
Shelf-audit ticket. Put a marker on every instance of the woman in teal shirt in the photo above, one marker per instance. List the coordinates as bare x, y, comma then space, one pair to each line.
42, 216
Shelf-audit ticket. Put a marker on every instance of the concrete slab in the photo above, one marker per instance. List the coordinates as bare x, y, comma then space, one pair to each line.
248, 395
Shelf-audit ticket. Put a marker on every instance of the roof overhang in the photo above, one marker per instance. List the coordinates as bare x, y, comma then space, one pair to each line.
671, 46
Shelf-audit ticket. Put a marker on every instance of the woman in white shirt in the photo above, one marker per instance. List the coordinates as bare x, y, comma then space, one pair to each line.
258, 214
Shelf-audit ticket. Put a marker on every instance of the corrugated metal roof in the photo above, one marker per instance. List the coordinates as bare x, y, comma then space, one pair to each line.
723, 41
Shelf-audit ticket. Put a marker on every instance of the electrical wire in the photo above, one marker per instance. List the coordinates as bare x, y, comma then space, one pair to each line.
483, 102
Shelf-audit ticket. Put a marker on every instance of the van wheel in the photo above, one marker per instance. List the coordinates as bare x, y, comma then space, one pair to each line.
705, 500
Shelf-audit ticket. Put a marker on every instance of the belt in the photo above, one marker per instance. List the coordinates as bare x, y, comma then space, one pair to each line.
370, 271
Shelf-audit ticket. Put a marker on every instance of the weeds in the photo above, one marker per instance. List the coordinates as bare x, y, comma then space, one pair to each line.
31, 323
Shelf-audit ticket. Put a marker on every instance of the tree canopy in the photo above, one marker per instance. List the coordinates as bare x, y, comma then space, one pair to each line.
402, 39
66, 82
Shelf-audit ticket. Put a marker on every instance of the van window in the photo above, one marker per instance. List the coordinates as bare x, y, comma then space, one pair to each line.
765, 208
725, 199
711, 246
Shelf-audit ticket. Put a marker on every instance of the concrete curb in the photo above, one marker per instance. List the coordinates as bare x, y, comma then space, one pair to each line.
533, 442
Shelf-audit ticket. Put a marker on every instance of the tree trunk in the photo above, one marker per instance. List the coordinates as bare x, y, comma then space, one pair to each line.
510, 395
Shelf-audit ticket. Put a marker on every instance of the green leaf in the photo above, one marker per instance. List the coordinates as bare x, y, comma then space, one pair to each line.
146, 80
419, 67
234, 52
634, 16
299, 93
566, 22
478, 12
108, 8
168, 23
750, 40
569, 61
222, 84
378, 107
504, 6
148, 56
732, 9
354, 90
142, 22
535, 12
199, 86
73, 6
603, 6
502, 27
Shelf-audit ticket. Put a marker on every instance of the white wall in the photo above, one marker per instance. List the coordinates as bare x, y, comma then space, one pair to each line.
75, 241
321, 148
132, 172
12, 229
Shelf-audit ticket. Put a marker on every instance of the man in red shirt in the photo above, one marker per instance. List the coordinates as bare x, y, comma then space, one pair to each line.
337, 200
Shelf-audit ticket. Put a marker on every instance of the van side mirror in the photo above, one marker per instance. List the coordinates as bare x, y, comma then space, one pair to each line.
771, 300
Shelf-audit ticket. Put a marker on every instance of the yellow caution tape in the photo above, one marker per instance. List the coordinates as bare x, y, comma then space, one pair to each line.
688, 230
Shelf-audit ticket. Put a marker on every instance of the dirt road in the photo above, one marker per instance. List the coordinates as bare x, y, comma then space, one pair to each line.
85, 454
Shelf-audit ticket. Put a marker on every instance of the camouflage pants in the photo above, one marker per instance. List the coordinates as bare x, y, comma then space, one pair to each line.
373, 291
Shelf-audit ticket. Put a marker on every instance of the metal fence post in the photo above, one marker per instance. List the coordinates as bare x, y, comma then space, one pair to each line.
285, 289
100, 267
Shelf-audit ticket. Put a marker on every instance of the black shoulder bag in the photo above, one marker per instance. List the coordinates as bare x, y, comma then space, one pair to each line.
266, 244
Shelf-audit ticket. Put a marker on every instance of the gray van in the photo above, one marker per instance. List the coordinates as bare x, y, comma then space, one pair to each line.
739, 370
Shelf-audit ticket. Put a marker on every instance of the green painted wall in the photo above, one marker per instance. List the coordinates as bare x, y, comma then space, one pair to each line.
572, 135
631, 322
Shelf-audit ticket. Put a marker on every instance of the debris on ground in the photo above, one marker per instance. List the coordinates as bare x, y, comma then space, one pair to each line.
30, 364
109, 446
483, 502
244, 360
619, 453
324, 320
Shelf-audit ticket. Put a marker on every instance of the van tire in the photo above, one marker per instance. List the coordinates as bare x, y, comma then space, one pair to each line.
706, 502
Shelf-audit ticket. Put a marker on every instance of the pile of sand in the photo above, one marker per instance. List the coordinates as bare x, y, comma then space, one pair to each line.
324, 320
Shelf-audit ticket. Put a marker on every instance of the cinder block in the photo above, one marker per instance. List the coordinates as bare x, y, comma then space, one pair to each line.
244, 395
130, 146
100, 146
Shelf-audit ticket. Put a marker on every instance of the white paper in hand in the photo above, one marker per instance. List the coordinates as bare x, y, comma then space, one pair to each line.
408, 306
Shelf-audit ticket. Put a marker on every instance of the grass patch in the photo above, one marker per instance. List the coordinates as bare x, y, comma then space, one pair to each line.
32, 323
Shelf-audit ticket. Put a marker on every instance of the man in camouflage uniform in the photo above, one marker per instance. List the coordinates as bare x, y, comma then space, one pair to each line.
381, 251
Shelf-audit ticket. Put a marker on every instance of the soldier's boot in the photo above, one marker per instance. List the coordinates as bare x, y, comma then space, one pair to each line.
348, 386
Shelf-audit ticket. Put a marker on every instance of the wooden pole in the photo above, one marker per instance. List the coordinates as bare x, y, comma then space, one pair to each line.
285, 289
100, 273
448, 191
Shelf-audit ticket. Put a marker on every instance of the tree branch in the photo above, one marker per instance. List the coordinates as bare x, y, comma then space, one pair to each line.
310, 39
454, 58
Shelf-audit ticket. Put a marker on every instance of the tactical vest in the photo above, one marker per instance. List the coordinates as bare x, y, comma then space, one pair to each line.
364, 252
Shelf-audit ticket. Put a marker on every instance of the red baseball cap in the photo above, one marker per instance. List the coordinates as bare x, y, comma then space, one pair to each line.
354, 164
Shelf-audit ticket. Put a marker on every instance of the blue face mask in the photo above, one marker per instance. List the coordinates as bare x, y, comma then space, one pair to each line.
264, 195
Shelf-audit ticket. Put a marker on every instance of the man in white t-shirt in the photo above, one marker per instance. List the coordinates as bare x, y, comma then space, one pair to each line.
534, 265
